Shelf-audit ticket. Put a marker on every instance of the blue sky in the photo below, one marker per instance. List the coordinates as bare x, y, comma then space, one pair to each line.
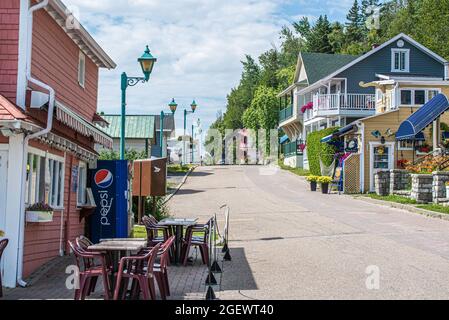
199, 45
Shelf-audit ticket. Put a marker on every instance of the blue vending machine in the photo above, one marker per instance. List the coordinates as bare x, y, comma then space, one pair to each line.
110, 191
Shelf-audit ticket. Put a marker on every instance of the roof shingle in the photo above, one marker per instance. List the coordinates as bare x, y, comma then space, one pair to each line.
137, 126
9, 111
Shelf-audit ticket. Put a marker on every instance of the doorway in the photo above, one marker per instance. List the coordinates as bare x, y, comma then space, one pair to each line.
381, 159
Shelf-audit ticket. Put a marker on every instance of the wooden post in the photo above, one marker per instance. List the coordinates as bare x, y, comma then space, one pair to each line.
154, 206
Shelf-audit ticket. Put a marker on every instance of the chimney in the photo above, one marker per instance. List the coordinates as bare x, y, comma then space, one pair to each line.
374, 46
446, 71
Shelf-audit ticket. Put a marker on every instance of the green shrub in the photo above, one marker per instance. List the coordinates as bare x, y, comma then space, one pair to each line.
317, 149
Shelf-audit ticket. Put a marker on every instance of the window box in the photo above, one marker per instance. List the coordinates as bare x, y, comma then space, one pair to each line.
39, 216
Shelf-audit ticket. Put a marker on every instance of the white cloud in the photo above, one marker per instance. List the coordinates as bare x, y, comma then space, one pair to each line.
199, 45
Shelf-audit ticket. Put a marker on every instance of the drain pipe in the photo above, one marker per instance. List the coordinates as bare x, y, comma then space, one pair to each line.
51, 104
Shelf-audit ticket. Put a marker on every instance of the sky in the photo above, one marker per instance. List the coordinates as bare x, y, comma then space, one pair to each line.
198, 43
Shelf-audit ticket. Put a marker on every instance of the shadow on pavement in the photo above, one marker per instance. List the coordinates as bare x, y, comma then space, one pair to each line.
237, 273
188, 191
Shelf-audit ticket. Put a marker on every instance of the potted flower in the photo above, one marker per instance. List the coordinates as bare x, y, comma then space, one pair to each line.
39, 212
447, 189
324, 181
313, 182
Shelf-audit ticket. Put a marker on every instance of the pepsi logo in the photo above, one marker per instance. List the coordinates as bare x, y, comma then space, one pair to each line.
104, 178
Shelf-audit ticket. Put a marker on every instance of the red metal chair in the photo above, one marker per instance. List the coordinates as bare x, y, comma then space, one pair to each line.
3, 245
89, 271
153, 229
161, 270
196, 241
133, 268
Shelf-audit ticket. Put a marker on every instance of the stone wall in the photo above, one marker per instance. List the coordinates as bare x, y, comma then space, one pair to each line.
422, 188
382, 183
439, 186
400, 180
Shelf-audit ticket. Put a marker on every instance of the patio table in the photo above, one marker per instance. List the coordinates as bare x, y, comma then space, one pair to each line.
178, 226
118, 248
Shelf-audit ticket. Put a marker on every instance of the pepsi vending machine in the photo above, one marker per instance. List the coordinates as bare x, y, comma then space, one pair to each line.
110, 190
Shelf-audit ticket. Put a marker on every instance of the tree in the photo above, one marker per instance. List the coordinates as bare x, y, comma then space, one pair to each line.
318, 40
354, 24
130, 155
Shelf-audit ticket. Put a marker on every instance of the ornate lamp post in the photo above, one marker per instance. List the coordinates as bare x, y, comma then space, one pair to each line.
194, 134
173, 106
193, 106
147, 62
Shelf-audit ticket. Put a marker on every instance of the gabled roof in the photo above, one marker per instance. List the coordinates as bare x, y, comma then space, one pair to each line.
9, 111
320, 65
137, 126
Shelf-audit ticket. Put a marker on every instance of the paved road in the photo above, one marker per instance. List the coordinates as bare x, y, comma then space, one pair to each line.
289, 243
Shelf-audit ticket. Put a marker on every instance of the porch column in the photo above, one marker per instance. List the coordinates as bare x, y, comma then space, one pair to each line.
12, 223
436, 133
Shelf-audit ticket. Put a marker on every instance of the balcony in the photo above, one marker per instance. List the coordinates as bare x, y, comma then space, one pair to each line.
291, 149
286, 114
339, 104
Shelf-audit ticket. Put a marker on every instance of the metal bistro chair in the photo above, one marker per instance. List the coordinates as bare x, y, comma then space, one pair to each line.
133, 268
3, 245
89, 270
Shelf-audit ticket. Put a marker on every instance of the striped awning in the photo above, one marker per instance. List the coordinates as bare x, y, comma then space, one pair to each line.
82, 126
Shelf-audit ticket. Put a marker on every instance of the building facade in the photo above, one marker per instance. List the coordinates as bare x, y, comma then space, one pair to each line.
49, 86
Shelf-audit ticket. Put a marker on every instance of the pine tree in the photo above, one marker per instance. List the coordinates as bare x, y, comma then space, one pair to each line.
318, 39
354, 25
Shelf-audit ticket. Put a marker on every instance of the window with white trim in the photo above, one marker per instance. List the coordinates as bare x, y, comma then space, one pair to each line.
400, 60
82, 184
82, 69
417, 96
45, 180
405, 145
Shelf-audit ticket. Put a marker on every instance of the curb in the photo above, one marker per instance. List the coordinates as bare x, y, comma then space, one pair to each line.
168, 198
407, 207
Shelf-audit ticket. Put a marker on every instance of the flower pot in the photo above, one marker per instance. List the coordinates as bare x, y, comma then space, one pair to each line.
39, 216
313, 186
325, 188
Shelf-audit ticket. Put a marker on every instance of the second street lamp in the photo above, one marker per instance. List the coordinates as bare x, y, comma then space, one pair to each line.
146, 62
193, 106
173, 106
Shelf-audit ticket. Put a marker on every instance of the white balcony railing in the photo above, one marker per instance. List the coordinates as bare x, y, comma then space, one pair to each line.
342, 104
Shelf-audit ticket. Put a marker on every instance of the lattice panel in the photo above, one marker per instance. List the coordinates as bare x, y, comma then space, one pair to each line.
351, 178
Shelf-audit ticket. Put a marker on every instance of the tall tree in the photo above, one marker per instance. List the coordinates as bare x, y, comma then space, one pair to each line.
354, 24
318, 39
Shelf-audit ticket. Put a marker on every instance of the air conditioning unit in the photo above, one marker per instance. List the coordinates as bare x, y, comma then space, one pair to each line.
38, 99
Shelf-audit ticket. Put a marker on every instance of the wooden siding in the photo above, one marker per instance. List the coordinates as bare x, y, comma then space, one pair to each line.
55, 61
392, 120
9, 47
42, 239
380, 63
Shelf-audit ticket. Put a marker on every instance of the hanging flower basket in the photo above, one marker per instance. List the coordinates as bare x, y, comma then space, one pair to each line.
306, 107
39, 213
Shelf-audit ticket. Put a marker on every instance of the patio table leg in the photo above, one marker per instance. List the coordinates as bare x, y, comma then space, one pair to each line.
178, 244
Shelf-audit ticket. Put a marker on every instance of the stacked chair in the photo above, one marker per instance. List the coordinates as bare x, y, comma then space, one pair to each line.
154, 230
3, 244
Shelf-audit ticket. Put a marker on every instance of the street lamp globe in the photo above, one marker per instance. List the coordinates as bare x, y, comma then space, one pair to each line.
173, 106
147, 62
193, 106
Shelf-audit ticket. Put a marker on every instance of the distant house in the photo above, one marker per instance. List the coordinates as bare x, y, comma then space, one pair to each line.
140, 132
326, 91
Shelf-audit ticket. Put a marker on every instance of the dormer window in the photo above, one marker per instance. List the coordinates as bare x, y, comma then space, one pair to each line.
400, 60
82, 69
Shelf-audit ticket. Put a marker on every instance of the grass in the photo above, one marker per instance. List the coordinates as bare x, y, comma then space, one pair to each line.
139, 232
392, 198
435, 208
298, 171
179, 169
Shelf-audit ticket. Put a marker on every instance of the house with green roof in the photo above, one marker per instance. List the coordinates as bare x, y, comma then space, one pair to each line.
140, 132
326, 91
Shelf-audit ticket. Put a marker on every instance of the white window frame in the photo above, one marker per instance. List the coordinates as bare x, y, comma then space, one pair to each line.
406, 62
379, 95
412, 90
46, 156
82, 69
81, 184
401, 148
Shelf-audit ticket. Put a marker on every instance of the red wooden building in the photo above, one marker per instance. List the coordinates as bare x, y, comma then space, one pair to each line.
49, 70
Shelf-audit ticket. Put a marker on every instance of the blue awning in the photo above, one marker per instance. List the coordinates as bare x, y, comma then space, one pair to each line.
420, 137
284, 139
339, 133
422, 118
445, 135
